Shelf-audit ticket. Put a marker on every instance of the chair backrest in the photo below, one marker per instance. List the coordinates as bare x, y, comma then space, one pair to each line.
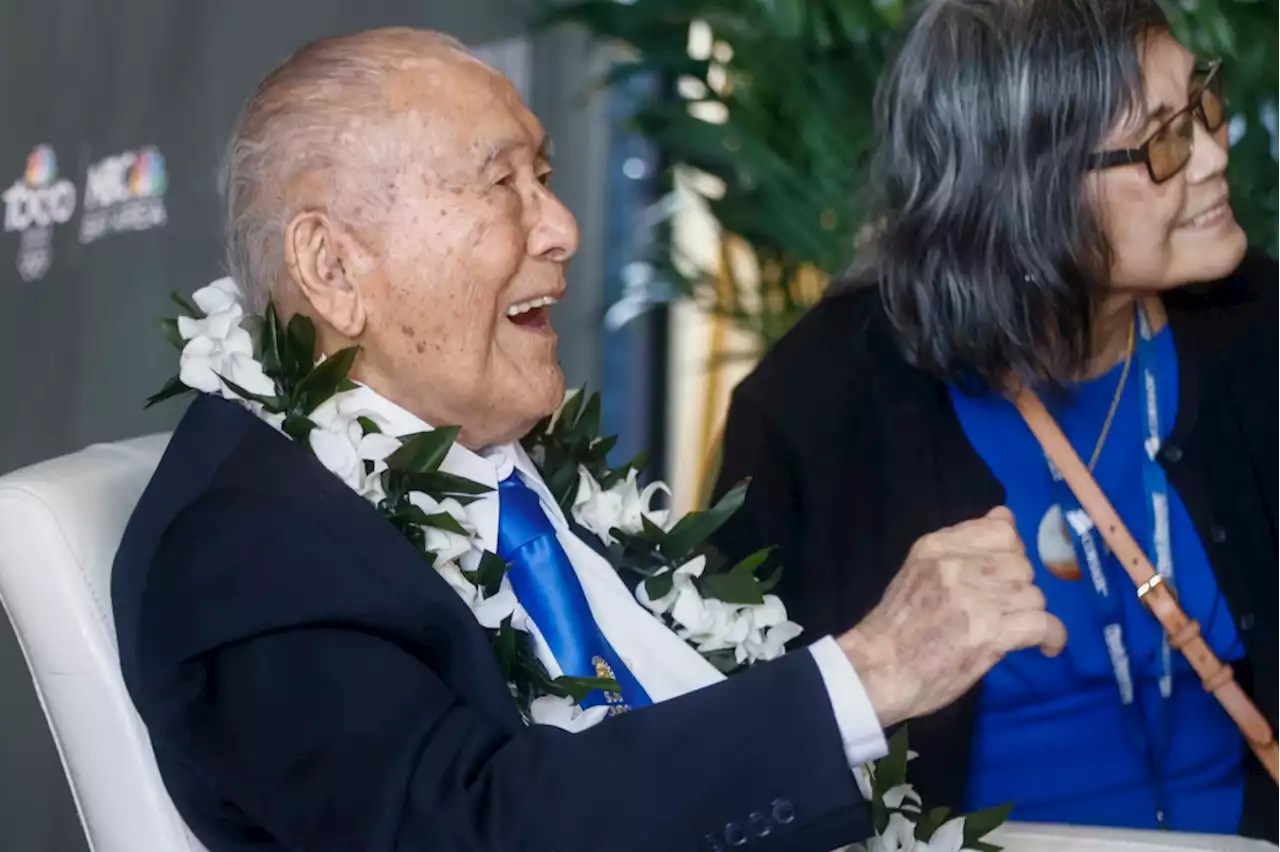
60, 525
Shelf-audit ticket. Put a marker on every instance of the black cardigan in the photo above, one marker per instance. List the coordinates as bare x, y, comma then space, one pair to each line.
854, 455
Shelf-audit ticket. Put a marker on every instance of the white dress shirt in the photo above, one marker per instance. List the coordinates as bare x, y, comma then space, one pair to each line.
663, 663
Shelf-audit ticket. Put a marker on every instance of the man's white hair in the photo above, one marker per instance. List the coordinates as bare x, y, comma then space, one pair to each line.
323, 113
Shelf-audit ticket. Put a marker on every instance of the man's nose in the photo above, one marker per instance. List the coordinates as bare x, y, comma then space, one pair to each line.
554, 234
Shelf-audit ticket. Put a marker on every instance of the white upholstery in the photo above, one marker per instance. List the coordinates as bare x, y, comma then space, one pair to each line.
60, 525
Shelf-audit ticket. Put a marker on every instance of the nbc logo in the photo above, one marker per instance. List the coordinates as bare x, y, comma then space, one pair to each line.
125, 192
42, 166
33, 206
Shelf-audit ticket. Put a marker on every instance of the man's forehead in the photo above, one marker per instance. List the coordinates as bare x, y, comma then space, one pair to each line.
435, 72
463, 107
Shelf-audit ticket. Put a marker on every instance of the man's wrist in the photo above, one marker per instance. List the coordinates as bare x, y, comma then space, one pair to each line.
859, 726
889, 687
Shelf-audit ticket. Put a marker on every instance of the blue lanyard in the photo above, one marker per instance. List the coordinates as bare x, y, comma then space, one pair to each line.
1151, 735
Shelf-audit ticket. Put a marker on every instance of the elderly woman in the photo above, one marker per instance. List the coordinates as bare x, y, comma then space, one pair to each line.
1054, 211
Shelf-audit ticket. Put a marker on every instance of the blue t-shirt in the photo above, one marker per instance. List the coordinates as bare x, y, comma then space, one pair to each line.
1051, 735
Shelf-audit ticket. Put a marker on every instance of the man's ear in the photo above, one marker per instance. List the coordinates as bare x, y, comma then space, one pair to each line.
318, 256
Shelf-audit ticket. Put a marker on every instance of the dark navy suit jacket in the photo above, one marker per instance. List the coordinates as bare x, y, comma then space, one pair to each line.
310, 684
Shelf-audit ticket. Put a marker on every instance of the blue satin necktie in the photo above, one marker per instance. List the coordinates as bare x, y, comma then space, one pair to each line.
547, 587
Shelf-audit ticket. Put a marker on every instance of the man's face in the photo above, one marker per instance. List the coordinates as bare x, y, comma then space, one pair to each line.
469, 259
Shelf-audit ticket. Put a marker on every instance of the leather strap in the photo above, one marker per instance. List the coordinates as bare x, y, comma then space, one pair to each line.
1155, 594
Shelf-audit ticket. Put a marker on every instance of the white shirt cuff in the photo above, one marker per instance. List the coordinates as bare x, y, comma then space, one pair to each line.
855, 717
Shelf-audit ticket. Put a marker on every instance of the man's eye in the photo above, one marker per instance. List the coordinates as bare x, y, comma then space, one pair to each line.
508, 179
544, 178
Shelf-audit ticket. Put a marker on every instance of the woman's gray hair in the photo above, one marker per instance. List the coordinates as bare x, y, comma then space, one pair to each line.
321, 112
988, 251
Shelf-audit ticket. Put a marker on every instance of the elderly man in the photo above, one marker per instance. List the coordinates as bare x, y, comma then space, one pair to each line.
310, 684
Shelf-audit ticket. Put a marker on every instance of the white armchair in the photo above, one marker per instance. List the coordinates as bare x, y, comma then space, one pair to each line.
60, 525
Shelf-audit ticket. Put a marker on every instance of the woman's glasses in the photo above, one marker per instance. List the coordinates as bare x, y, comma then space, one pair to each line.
1168, 150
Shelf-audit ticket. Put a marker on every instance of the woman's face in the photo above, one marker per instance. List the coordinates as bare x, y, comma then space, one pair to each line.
1180, 231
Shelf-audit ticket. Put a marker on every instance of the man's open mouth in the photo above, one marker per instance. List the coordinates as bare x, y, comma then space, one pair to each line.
533, 313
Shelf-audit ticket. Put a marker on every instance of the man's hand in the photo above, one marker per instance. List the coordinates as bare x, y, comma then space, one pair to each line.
964, 598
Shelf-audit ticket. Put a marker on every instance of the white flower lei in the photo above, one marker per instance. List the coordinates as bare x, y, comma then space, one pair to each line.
218, 357
727, 616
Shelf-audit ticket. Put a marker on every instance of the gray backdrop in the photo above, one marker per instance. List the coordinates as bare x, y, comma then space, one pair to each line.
133, 99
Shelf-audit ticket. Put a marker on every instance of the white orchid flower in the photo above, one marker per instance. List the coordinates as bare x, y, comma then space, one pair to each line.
218, 296
247, 373
725, 626
700, 620
490, 612
680, 583
458, 581
342, 411
595, 508
337, 452
377, 446
341, 445
623, 506
218, 325
201, 363
218, 347
904, 797
770, 645
563, 713
949, 837
338, 448
446, 544
769, 632
636, 504
898, 836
